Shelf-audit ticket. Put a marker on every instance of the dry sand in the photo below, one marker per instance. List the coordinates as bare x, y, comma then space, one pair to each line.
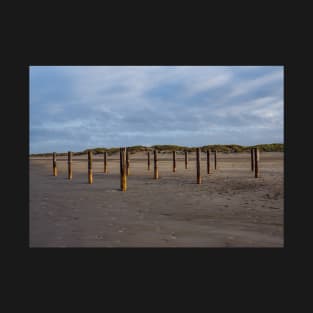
230, 208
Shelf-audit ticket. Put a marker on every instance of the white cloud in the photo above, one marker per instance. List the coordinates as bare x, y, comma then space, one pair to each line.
253, 84
204, 84
105, 106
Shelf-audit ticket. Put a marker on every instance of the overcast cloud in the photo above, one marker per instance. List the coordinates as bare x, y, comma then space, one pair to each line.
79, 107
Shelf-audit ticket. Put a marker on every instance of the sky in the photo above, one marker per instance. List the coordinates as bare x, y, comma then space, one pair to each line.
73, 108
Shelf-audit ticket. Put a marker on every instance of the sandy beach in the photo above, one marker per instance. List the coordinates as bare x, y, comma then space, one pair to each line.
230, 208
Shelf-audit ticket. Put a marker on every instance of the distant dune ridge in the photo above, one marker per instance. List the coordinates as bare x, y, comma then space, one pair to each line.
273, 147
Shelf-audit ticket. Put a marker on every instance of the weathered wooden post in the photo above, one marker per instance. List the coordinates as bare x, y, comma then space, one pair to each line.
215, 159
90, 178
174, 161
156, 172
256, 162
208, 161
127, 162
54, 164
124, 170
198, 166
69, 163
186, 159
252, 159
148, 160
105, 164
121, 166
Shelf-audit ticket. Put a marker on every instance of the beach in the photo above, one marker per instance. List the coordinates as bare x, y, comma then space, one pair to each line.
231, 208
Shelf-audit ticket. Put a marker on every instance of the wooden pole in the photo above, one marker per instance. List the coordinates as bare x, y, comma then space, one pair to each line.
127, 162
252, 160
121, 166
124, 169
69, 163
174, 161
208, 161
54, 164
198, 166
105, 164
186, 159
215, 159
90, 177
148, 160
156, 172
256, 162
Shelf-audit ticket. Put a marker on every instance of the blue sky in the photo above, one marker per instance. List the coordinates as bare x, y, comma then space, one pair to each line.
79, 107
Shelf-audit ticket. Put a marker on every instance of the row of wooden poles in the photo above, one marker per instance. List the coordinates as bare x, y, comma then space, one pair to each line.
124, 164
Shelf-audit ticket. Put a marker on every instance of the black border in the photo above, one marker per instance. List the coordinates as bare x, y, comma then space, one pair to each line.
177, 259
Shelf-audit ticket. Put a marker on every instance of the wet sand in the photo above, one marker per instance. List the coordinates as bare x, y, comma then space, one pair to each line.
230, 208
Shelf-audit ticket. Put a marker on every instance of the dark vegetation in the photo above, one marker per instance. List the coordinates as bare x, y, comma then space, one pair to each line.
274, 147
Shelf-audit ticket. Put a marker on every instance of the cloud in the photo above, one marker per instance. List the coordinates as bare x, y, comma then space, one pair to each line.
256, 83
115, 106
